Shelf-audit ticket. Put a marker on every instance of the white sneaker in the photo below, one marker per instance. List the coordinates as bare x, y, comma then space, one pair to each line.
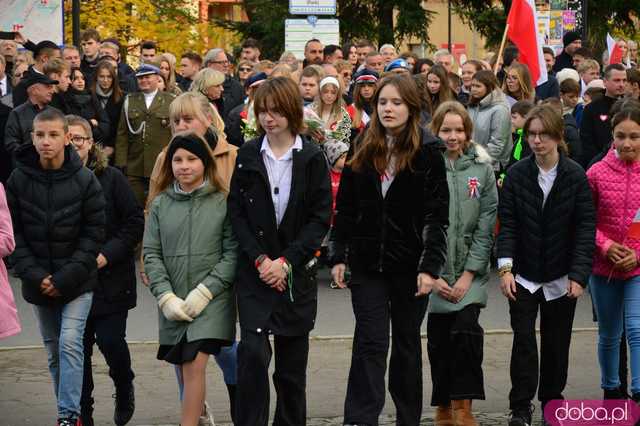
207, 418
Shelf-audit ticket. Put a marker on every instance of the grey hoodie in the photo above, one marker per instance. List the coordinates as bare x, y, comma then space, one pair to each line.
492, 127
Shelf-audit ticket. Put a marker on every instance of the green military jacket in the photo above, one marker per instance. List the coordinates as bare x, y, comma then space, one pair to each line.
187, 241
142, 137
473, 205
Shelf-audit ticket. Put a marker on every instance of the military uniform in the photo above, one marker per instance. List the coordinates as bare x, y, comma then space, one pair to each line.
142, 134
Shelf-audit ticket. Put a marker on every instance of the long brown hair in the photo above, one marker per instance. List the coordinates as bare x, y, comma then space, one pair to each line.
166, 177
444, 93
117, 94
372, 151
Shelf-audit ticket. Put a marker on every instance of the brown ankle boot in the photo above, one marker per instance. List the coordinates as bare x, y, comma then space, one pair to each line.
462, 414
444, 415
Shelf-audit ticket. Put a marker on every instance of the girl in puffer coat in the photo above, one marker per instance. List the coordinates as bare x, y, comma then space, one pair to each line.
615, 282
455, 338
491, 118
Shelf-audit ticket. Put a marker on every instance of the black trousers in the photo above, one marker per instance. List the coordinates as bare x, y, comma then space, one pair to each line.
455, 346
109, 332
556, 321
289, 379
376, 299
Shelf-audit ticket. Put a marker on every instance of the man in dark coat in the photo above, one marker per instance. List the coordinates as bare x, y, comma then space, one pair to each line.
571, 41
595, 130
43, 53
115, 293
57, 209
20, 122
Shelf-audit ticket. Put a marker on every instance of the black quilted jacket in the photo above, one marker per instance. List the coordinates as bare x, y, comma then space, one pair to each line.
559, 239
58, 223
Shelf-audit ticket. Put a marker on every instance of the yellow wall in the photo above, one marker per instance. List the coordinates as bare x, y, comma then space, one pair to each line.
438, 32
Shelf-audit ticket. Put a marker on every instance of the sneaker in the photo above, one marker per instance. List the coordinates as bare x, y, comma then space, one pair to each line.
69, 421
206, 419
520, 417
125, 405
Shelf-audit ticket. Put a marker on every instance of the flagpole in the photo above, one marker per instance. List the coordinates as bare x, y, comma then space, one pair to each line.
504, 41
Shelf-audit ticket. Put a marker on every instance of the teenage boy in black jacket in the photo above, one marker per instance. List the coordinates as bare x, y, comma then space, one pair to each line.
57, 209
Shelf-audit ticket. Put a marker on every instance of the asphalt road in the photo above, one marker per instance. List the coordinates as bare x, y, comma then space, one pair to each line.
335, 315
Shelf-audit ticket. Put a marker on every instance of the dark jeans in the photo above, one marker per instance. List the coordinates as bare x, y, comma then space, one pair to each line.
289, 379
378, 298
455, 343
556, 320
109, 332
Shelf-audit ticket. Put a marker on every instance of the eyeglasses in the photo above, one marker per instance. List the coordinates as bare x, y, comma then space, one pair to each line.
220, 62
79, 140
243, 69
543, 136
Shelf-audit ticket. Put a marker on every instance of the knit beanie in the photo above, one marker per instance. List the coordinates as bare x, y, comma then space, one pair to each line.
570, 37
191, 143
334, 150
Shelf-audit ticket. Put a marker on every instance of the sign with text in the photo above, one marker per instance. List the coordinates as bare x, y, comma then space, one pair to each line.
298, 31
312, 7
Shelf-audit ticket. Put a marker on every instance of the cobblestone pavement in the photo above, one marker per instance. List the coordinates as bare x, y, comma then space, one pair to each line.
26, 393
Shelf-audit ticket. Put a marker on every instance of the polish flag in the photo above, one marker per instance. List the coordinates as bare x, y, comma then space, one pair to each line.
523, 32
634, 228
615, 52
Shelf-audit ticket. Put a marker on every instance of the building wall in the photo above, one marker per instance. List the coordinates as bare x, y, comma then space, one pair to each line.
463, 38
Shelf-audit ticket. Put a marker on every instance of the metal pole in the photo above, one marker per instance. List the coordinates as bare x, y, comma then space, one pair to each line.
75, 16
449, 25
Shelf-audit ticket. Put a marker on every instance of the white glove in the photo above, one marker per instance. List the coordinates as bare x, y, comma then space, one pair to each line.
197, 300
171, 306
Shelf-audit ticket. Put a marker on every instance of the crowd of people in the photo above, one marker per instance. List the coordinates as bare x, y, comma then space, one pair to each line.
226, 182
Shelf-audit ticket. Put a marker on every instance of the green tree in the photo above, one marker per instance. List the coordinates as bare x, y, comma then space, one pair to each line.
382, 21
175, 28
614, 16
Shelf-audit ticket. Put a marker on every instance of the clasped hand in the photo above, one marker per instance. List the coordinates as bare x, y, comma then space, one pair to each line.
47, 288
273, 274
624, 258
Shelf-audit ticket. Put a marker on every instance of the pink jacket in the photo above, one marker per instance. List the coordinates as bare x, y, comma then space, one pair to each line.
9, 323
616, 193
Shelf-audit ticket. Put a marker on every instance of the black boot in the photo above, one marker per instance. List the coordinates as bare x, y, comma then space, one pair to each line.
125, 404
614, 394
232, 401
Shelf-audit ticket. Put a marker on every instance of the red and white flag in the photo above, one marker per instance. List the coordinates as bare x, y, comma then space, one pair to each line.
634, 228
615, 52
523, 32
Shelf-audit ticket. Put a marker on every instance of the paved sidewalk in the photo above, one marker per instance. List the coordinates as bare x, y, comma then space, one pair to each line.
27, 395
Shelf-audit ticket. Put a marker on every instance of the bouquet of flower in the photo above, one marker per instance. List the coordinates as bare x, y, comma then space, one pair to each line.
249, 126
314, 125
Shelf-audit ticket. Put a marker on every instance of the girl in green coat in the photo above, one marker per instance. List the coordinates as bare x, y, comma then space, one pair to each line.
190, 259
455, 338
